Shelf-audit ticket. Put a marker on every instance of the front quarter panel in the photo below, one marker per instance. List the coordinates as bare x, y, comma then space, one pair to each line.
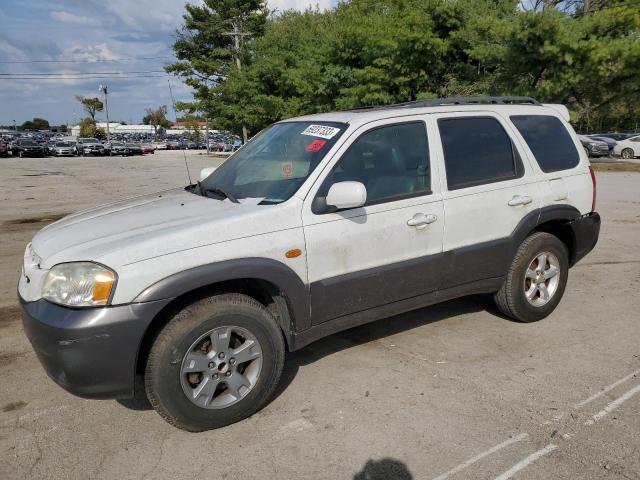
283, 232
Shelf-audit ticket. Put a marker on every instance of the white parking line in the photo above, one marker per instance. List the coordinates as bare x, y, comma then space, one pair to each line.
613, 405
607, 389
527, 461
480, 456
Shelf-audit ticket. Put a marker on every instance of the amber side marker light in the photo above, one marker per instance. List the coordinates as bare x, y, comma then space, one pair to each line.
103, 283
296, 252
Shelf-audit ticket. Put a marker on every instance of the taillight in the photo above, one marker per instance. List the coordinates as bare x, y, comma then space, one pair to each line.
593, 181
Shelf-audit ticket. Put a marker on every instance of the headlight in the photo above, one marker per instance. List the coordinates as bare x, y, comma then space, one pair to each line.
79, 284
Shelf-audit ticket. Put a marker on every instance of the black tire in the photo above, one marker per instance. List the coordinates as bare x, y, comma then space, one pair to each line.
511, 299
162, 372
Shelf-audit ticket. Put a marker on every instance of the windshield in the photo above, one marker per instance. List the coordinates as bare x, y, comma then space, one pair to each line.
275, 163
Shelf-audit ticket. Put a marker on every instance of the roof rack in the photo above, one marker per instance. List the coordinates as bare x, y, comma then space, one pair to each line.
439, 102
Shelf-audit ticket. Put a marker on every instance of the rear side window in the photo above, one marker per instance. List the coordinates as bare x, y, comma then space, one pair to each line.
549, 141
477, 151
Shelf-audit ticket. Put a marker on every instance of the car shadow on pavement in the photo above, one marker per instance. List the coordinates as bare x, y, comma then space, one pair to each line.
380, 329
385, 469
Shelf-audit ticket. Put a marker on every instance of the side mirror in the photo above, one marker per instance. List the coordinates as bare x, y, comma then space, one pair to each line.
347, 195
205, 172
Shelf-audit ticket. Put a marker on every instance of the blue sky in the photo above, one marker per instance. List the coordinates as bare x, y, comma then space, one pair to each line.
106, 36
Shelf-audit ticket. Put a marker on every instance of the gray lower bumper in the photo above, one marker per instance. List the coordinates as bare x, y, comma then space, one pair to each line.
90, 352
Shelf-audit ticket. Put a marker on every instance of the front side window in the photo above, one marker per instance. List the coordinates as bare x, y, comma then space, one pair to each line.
274, 164
477, 151
391, 161
548, 140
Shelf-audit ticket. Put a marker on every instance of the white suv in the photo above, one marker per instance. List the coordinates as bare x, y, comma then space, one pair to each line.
319, 224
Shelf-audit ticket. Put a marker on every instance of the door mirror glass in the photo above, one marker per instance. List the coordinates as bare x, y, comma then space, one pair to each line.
205, 172
343, 195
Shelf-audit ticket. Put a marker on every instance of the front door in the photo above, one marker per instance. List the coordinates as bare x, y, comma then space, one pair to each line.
389, 249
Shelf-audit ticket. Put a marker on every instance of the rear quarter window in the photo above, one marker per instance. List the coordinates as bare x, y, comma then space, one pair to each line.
549, 141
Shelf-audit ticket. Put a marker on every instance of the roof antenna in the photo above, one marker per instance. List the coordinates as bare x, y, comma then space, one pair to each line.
184, 154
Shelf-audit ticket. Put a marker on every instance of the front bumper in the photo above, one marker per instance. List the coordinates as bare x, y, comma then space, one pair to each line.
586, 230
598, 151
90, 352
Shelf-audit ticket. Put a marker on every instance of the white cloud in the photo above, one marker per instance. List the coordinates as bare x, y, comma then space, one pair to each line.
157, 15
68, 17
90, 53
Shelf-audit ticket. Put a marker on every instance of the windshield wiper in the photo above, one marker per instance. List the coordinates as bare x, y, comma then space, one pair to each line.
218, 191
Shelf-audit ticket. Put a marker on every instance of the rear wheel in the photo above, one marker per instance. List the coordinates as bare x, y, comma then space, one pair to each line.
216, 362
627, 154
536, 279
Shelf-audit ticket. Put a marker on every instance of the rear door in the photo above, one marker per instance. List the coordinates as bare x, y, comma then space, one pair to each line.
559, 162
487, 192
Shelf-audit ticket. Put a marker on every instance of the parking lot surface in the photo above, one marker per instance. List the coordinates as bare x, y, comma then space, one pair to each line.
452, 391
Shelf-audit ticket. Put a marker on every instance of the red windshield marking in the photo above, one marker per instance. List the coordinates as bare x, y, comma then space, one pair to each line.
315, 146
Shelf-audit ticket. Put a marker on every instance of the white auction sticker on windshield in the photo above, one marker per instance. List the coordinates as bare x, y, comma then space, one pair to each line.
321, 131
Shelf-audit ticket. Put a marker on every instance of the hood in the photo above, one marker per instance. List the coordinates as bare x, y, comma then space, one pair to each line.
152, 225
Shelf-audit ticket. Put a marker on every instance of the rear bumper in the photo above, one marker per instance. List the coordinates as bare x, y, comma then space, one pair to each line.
586, 231
90, 352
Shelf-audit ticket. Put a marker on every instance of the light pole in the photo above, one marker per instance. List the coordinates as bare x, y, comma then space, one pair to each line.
103, 88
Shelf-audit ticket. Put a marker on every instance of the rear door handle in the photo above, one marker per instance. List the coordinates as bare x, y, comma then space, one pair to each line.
518, 200
420, 220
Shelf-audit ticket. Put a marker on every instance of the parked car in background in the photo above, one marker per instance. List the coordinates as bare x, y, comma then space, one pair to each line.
90, 146
594, 148
4, 148
159, 145
26, 147
134, 148
609, 141
63, 149
629, 148
620, 136
173, 145
118, 148
147, 148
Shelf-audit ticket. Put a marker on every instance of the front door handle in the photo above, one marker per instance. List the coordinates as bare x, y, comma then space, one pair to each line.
518, 200
420, 220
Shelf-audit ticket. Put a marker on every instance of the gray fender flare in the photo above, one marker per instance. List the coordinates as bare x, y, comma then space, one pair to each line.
295, 292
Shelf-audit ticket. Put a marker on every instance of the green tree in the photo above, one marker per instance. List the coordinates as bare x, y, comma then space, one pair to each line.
35, 124
157, 118
90, 105
370, 52
213, 43
87, 127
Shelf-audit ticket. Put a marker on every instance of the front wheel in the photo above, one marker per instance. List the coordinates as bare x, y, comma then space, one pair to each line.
536, 280
216, 362
627, 154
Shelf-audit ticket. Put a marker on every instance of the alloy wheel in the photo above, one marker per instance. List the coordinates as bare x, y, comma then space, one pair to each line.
221, 367
541, 279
